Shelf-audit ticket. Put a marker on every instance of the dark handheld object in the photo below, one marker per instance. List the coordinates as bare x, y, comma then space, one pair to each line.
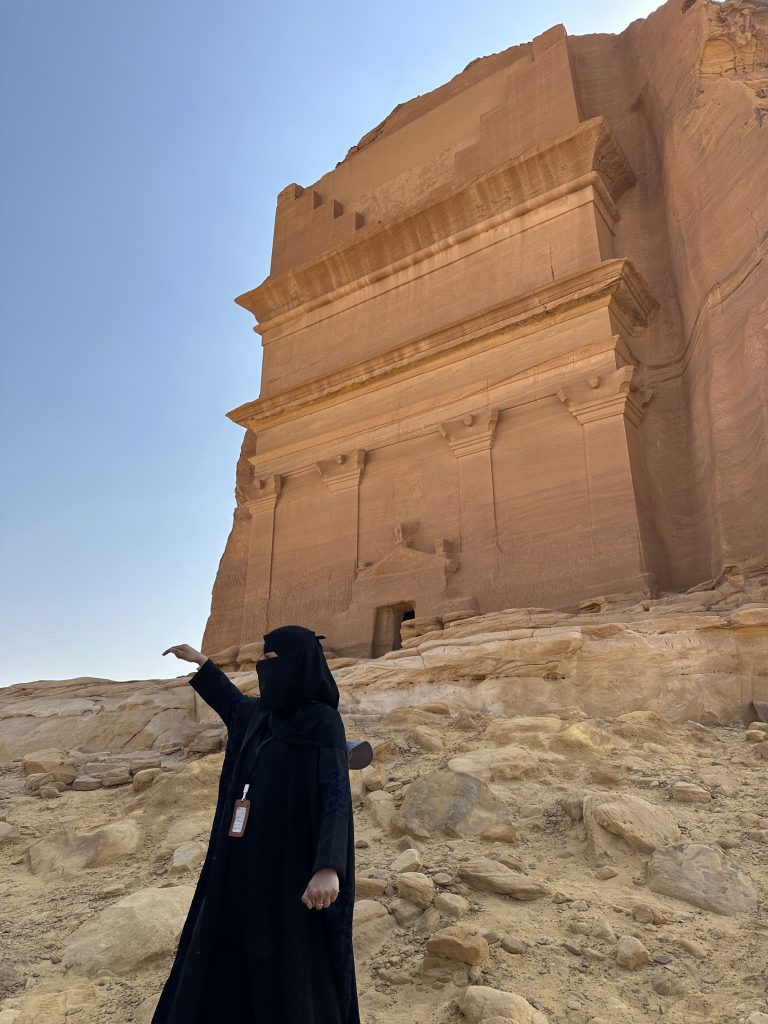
359, 753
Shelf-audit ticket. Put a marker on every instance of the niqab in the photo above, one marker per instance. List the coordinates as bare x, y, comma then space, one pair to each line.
297, 689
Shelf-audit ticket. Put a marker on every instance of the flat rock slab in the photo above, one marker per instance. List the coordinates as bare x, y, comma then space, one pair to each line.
701, 875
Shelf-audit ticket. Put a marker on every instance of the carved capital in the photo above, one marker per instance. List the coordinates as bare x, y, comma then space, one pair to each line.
470, 433
343, 471
607, 395
266, 491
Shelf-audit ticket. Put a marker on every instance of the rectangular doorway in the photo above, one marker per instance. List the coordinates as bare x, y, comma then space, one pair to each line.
386, 629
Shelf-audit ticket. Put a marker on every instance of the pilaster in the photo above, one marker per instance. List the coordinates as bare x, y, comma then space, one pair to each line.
470, 438
261, 508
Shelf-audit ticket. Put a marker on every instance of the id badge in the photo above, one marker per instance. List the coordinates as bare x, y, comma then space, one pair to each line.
239, 816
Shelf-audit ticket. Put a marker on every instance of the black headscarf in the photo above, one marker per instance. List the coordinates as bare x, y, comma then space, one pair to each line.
298, 689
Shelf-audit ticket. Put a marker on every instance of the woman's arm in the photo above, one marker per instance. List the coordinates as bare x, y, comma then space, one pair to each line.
336, 797
217, 690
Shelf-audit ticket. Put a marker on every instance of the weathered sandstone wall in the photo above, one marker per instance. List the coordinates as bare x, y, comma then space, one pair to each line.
516, 345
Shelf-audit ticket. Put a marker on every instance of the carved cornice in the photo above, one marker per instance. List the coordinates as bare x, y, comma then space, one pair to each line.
268, 490
614, 283
342, 472
587, 155
605, 396
470, 433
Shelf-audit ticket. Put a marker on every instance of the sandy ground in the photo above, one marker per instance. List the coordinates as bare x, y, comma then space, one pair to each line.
703, 966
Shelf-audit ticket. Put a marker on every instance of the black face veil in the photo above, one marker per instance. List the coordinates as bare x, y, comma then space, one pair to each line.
298, 689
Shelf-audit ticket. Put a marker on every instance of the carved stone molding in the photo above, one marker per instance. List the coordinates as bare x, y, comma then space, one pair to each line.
602, 396
614, 283
473, 432
266, 492
588, 153
343, 471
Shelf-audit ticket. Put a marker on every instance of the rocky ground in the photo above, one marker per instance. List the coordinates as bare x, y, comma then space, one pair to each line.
557, 868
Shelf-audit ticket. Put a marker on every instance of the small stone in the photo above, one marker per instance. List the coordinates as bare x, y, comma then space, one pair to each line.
49, 791
117, 777
86, 783
693, 947
415, 887
726, 843
7, 832
369, 888
561, 897
451, 904
664, 959
572, 947
593, 954
631, 953
603, 930
493, 876
606, 872
144, 778
667, 984
502, 831
442, 878
688, 793
757, 1018
187, 858
457, 942
409, 860
647, 913
514, 944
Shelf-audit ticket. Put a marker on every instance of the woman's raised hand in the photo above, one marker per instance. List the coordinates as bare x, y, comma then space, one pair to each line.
187, 653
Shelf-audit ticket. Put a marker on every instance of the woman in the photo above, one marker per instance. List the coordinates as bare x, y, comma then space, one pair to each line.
268, 935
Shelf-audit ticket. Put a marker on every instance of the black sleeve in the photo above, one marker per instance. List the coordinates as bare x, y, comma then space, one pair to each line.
336, 799
217, 690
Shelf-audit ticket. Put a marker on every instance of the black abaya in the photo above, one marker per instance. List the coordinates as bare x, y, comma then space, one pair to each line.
250, 951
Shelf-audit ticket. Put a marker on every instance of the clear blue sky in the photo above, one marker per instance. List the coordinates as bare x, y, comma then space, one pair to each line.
143, 147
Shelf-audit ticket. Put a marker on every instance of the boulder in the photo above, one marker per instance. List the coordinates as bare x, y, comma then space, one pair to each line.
448, 802
140, 928
615, 822
702, 875
479, 1002
52, 761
